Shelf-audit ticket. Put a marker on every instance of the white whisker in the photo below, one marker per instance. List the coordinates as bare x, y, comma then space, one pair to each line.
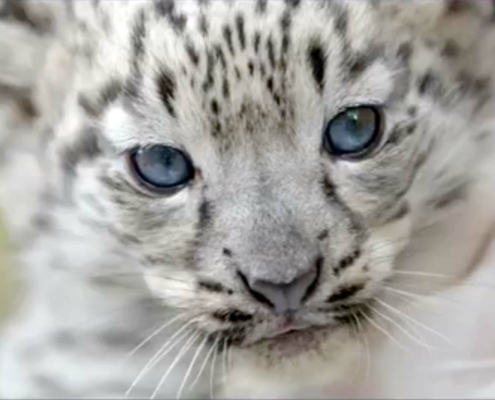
189, 370
367, 346
401, 328
155, 333
224, 360
179, 356
205, 362
411, 319
169, 345
387, 334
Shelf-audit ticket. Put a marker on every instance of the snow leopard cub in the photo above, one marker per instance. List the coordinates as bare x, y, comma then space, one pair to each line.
214, 198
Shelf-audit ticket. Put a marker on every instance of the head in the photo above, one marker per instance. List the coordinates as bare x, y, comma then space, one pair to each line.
263, 163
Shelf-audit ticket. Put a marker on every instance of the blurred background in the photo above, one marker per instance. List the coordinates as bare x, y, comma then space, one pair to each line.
6, 276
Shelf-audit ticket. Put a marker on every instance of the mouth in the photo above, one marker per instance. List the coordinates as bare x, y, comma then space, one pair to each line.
291, 339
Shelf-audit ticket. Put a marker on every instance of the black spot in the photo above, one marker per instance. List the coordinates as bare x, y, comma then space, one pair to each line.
211, 286
210, 63
85, 148
166, 8
400, 212
14, 10
270, 48
227, 252
452, 196
226, 88
457, 6
220, 56
203, 25
27, 107
204, 214
262, 70
341, 21
276, 98
344, 293
285, 23
166, 89
227, 35
192, 53
404, 52
328, 188
214, 107
317, 62
137, 39
232, 316
347, 262
269, 84
107, 95
323, 235
430, 84
412, 111
450, 49
238, 73
251, 67
239, 23
256, 41
261, 6
293, 3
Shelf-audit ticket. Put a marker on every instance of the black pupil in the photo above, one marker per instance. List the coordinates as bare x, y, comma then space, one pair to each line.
162, 166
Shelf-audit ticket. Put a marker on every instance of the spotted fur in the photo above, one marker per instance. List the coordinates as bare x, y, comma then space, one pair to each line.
245, 88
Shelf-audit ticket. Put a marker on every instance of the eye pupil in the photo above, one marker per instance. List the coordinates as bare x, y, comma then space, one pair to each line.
161, 167
353, 131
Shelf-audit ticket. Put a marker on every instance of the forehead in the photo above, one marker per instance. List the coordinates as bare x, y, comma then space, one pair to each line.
227, 68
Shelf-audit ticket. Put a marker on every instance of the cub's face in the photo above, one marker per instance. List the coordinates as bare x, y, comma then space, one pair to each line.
255, 160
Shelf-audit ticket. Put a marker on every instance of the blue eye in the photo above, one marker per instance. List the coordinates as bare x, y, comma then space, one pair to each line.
353, 132
161, 167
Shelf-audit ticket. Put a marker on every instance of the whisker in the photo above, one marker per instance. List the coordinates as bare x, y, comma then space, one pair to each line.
191, 366
205, 362
155, 333
366, 345
224, 360
411, 319
179, 356
401, 328
168, 346
417, 296
387, 334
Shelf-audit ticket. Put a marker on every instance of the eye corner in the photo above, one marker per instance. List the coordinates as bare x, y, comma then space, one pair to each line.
160, 169
348, 144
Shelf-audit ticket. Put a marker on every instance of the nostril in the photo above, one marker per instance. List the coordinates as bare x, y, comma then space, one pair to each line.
258, 296
312, 287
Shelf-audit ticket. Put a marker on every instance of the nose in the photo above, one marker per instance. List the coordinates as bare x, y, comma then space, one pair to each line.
283, 298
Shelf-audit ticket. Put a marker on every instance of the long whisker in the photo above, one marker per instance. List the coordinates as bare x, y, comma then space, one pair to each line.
191, 365
205, 362
155, 333
366, 345
169, 345
224, 360
179, 356
387, 334
411, 319
401, 328
416, 296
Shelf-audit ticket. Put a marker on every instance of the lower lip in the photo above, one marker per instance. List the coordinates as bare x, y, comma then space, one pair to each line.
295, 342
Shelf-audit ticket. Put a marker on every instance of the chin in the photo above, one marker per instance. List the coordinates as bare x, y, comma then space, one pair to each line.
284, 365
